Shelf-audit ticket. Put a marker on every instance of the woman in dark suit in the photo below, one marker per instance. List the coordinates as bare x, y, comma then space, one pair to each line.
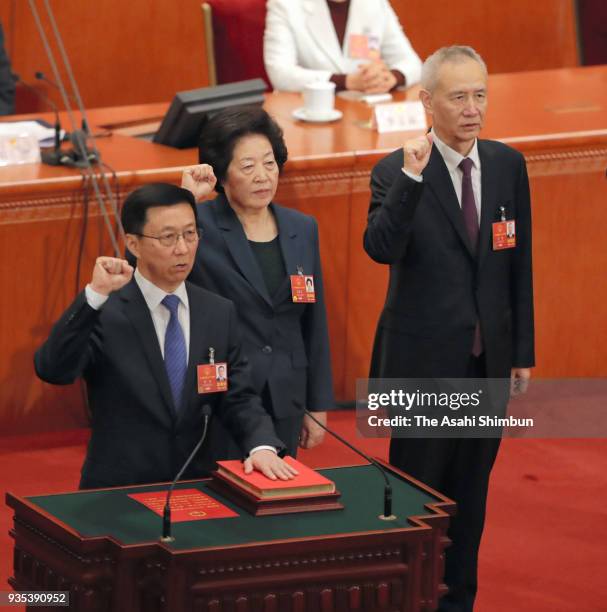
249, 252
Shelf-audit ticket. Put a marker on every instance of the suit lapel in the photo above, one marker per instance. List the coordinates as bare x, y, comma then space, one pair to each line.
137, 311
320, 27
238, 245
438, 178
290, 247
199, 351
488, 199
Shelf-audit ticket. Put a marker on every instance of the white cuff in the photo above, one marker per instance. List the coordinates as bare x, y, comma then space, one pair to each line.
418, 178
95, 300
263, 447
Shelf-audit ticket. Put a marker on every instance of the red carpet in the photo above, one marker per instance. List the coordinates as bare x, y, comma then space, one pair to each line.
545, 542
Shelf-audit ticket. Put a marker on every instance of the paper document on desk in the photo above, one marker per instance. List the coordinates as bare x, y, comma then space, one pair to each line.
20, 148
44, 134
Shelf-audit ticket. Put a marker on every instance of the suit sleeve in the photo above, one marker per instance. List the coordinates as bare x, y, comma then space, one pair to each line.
522, 278
397, 52
280, 52
71, 345
241, 410
394, 200
316, 339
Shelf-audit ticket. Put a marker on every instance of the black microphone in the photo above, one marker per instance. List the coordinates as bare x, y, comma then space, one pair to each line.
166, 516
81, 156
42, 77
387, 515
53, 158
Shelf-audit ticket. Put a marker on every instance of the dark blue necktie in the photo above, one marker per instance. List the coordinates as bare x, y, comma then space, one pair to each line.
175, 353
471, 221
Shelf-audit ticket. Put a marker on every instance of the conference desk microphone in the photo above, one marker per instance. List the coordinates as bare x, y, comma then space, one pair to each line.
52, 158
80, 156
387, 515
42, 77
166, 515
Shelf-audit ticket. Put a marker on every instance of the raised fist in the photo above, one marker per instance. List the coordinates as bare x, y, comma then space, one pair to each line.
110, 274
200, 180
417, 153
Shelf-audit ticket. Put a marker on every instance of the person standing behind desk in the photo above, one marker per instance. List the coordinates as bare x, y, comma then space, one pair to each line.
138, 343
358, 44
456, 306
251, 248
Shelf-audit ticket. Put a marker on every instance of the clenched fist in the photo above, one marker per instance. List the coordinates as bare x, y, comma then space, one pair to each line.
110, 274
417, 153
200, 180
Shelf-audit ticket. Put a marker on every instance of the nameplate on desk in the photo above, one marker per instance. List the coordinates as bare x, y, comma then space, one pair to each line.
18, 149
399, 117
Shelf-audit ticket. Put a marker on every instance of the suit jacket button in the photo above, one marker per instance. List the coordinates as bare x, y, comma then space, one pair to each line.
266, 349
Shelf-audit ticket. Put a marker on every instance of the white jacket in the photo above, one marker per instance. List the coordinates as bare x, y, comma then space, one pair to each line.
300, 44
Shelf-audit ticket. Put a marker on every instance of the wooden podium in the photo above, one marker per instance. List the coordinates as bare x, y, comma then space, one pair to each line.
102, 547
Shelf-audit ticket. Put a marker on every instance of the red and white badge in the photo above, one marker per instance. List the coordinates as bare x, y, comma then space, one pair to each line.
363, 46
504, 235
212, 377
302, 289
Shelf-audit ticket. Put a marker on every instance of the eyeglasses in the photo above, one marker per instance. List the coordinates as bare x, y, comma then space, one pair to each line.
168, 240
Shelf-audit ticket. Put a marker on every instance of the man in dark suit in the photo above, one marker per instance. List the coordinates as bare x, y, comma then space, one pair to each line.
137, 341
456, 307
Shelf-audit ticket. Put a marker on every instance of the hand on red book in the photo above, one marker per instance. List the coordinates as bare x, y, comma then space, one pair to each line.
269, 464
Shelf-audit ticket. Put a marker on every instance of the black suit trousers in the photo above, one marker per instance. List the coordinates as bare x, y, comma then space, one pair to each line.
459, 468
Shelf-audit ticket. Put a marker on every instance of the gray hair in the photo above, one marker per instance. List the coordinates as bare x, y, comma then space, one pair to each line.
455, 54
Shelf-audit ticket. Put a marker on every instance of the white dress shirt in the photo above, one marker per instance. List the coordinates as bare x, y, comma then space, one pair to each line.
153, 296
452, 161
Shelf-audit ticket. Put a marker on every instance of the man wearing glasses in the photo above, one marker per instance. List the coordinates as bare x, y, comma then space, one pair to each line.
138, 339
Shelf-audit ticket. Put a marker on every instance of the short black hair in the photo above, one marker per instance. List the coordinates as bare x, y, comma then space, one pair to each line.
222, 131
134, 211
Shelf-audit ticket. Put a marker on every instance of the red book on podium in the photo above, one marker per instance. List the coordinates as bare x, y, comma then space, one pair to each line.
309, 491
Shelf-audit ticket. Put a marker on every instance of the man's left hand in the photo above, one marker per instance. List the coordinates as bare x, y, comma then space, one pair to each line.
270, 464
519, 380
312, 433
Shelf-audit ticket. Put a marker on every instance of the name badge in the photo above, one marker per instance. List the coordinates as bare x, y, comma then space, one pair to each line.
504, 235
363, 46
212, 377
302, 288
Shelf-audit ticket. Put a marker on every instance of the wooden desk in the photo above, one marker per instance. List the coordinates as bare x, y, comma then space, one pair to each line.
103, 548
557, 118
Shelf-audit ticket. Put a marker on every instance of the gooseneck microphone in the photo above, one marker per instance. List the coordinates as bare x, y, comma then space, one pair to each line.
166, 516
387, 515
42, 77
53, 158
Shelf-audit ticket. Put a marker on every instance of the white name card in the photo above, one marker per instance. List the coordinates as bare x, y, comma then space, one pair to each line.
400, 117
19, 149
